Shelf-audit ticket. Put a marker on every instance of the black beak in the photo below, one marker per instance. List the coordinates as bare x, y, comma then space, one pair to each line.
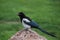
19, 14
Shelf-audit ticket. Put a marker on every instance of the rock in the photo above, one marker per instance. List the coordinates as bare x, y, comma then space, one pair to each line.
27, 35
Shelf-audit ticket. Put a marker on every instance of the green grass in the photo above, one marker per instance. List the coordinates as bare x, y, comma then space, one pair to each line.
45, 12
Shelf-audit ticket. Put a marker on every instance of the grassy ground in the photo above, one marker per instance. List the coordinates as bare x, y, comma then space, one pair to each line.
45, 12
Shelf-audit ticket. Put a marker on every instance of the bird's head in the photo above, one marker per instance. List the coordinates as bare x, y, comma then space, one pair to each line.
21, 14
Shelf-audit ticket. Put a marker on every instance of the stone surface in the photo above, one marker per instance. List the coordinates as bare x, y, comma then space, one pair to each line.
27, 35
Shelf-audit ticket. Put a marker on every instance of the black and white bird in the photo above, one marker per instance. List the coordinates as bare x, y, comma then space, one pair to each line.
28, 23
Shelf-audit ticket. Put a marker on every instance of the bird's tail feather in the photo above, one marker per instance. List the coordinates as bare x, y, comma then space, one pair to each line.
46, 32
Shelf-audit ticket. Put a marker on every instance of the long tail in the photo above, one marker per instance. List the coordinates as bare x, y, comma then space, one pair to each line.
46, 32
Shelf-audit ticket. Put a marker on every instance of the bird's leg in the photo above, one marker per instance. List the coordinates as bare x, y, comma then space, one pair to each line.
26, 29
30, 30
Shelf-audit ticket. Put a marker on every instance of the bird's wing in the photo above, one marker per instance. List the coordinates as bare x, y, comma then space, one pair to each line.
32, 23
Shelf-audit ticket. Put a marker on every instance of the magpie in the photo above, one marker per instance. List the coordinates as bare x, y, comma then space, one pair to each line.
28, 23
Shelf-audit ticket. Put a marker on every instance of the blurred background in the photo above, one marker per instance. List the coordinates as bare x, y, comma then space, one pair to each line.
45, 12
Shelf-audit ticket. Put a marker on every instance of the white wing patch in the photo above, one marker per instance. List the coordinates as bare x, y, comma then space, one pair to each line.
24, 19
